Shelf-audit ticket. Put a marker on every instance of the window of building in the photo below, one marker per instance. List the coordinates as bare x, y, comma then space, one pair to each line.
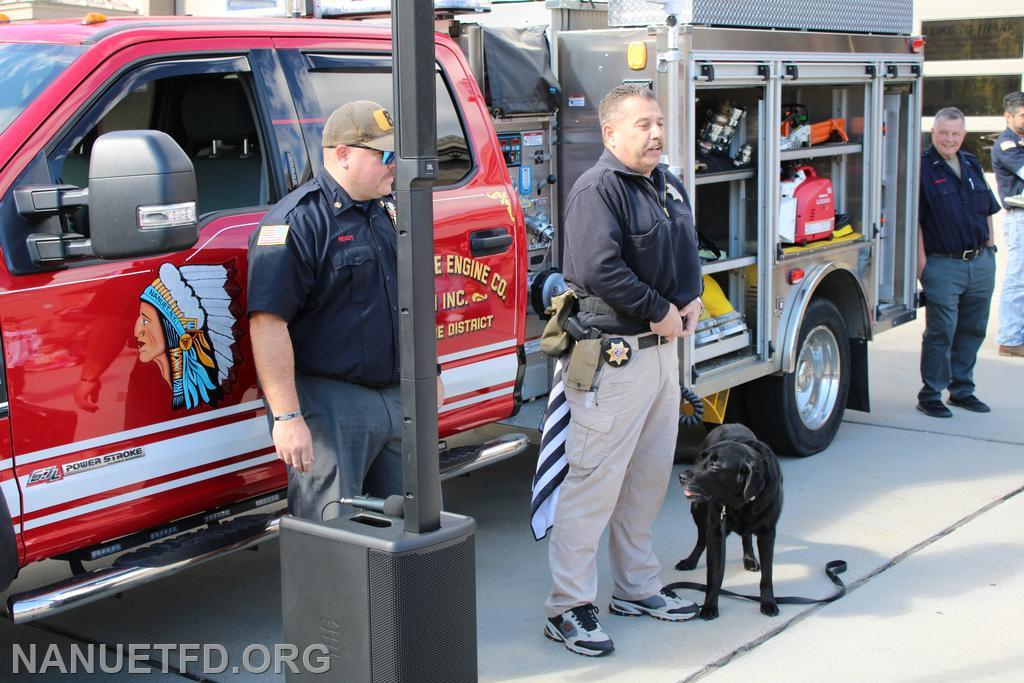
973, 95
992, 38
978, 144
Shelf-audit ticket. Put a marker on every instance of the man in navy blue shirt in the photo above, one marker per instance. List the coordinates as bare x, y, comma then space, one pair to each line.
956, 266
1008, 164
323, 318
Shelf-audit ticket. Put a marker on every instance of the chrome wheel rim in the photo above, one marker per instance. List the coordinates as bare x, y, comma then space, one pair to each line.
817, 377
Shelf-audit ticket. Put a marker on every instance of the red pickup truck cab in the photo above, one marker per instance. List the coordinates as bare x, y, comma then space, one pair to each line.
122, 140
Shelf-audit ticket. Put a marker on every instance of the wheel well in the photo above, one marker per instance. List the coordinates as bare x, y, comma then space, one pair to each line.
843, 289
8, 546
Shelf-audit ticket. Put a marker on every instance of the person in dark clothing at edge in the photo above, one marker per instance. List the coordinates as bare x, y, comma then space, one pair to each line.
631, 255
323, 318
956, 266
1008, 165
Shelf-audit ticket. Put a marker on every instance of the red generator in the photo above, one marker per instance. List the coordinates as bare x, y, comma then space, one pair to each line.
807, 211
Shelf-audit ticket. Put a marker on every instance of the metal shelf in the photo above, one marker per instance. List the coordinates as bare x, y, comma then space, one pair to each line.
723, 176
728, 264
721, 347
833, 149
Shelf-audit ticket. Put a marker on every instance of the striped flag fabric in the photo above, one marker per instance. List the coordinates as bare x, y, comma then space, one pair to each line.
551, 463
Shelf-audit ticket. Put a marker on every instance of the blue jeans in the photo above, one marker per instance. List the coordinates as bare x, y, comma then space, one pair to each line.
357, 445
958, 295
1011, 300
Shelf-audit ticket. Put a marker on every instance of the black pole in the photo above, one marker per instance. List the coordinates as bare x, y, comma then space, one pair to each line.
412, 35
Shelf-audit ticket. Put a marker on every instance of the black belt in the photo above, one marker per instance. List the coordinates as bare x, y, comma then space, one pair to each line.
645, 341
965, 255
649, 340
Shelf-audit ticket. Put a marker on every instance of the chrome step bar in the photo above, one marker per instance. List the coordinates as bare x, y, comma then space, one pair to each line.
100, 583
462, 460
103, 582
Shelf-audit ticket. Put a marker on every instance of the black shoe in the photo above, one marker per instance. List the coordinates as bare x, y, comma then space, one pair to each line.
969, 402
934, 408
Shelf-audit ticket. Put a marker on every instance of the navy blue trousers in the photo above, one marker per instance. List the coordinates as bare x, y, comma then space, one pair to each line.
958, 294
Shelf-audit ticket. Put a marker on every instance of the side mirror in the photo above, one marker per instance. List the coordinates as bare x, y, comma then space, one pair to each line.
142, 195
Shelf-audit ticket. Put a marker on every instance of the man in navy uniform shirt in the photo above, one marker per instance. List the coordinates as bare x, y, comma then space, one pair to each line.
323, 317
956, 266
1008, 164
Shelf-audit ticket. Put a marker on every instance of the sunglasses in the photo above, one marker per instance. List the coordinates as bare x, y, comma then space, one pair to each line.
385, 157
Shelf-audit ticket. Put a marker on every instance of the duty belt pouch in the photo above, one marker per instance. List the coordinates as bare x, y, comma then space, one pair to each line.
582, 370
555, 340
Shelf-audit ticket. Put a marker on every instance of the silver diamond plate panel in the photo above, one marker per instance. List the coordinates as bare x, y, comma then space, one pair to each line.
866, 16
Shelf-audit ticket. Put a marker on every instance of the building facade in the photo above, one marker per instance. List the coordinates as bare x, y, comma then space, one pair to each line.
974, 55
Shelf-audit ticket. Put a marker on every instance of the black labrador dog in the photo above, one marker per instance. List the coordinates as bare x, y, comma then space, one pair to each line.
736, 485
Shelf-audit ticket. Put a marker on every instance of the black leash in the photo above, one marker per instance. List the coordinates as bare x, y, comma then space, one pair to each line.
832, 570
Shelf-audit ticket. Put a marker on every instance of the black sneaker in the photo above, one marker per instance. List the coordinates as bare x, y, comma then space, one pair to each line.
969, 402
934, 409
664, 605
580, 631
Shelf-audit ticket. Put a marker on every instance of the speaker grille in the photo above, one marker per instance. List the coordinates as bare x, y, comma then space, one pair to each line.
423, 614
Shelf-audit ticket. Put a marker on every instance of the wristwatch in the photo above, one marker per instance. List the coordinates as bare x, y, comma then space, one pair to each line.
288, 416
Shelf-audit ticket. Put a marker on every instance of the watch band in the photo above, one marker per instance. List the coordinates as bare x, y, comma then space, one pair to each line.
288, 416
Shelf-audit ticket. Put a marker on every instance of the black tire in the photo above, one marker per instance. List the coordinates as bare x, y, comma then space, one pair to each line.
799, 413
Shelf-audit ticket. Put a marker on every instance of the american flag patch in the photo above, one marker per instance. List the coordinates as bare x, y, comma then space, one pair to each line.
272, 235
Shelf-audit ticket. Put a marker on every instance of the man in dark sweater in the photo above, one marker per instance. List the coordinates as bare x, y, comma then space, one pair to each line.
631, 255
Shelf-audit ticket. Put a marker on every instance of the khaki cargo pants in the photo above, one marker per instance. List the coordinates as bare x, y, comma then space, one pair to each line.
620, 447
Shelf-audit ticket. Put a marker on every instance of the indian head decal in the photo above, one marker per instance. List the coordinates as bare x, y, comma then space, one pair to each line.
187, 328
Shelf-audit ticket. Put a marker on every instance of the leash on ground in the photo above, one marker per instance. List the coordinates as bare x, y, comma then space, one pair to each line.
832, 570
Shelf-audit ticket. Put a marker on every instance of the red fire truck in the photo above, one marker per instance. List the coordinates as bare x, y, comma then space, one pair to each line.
120, 137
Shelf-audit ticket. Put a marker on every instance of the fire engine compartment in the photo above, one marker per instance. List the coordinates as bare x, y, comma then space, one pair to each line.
849, 87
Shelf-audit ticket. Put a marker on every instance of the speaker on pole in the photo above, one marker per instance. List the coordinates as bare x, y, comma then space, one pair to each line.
394, 598
382, 604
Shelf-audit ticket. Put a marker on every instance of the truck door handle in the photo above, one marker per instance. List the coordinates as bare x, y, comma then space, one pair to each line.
490, 241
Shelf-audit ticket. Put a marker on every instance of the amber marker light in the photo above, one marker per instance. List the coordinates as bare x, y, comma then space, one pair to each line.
636, 55
4, 19
93, 18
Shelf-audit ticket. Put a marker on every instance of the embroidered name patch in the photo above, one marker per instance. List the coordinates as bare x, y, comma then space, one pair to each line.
1007, 144
272, 235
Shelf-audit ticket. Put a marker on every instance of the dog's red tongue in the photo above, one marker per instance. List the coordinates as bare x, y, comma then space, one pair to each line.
688, 493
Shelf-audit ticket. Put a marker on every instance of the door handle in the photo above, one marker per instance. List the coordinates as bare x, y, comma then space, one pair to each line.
490, 241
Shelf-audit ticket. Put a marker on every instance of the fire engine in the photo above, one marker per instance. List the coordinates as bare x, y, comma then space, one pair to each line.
136, 156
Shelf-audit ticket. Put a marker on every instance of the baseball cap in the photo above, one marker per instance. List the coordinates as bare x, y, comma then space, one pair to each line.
361, 122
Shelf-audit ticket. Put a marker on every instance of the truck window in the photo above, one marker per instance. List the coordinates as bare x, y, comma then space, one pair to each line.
209, 115
336, 87
25, 70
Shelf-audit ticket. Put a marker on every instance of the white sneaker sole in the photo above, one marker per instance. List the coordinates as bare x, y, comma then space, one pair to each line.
625, 609
551, 633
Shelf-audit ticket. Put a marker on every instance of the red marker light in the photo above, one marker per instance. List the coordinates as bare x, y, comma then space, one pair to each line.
916, 44
796, 275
